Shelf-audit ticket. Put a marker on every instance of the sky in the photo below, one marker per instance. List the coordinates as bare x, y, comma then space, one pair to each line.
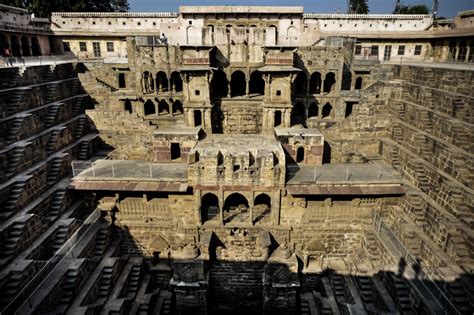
447, 8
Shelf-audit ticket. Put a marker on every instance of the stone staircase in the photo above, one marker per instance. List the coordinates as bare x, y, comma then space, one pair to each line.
14, 128
57, 205
10, 78
81, 124
68, 288
15, 97
52, 113
400, 292
53, 138
77, 105
54, 170
417, 209
59, 238
105, 282
83, 153
423, 145
51, 90
425, 119
101, 241
10, 288
397, 133
107, 85
134, 281
423, 182
10, 206
366, 290
14, 158
460, 208
9, 245
460, 297
461, 138
339, 287
394, 159
461, 109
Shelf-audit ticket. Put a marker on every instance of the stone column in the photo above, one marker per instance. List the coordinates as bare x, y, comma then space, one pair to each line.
247, 87
197, 204
221, 206
276, 207
251, 201
287, 122
229, 92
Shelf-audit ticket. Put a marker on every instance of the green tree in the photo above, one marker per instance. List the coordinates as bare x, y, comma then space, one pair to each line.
357, 7
14, 3
43, 8
412, 9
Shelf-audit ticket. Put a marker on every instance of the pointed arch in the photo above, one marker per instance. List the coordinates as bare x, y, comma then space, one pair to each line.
177, 108
238, 83
163, 108
300, 84
326, 111
176, 82
262, 208
313, 110
358, 83
25, 46
209, 207
149, 108
315, 83
219, 84
161, 82
329, 82
298, 115
257, 84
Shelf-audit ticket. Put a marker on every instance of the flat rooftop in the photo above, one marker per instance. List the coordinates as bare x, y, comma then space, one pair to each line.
343, 179
238, 145
129, 175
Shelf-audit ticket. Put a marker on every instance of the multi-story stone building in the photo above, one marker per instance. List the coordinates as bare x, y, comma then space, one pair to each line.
235, 159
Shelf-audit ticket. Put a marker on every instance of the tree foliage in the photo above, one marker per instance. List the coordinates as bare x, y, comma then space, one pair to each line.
412, 9
43, 8
357, 7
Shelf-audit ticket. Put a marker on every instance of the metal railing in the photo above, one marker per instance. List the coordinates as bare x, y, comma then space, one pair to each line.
423, 284
36, 61
105, 170
66, 251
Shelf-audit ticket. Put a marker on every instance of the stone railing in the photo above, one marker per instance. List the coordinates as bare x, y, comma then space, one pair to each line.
366, 16
115, 14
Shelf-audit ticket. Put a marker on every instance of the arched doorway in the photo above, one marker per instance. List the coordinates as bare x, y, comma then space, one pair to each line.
315, 83
35, 47
275, 32
313, 110
15, 44
161, 82
149, 108
277, 118
262, 209
128, 106
176, 82
219, 84
148, 84
25, 46
358, 83
326, 111
197, 118
177, 108
163, 108
209, 208
291, 35
300, 155
300, 84
329, 82
257, 84
3, 42
238, 83
236, 208
298, 115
